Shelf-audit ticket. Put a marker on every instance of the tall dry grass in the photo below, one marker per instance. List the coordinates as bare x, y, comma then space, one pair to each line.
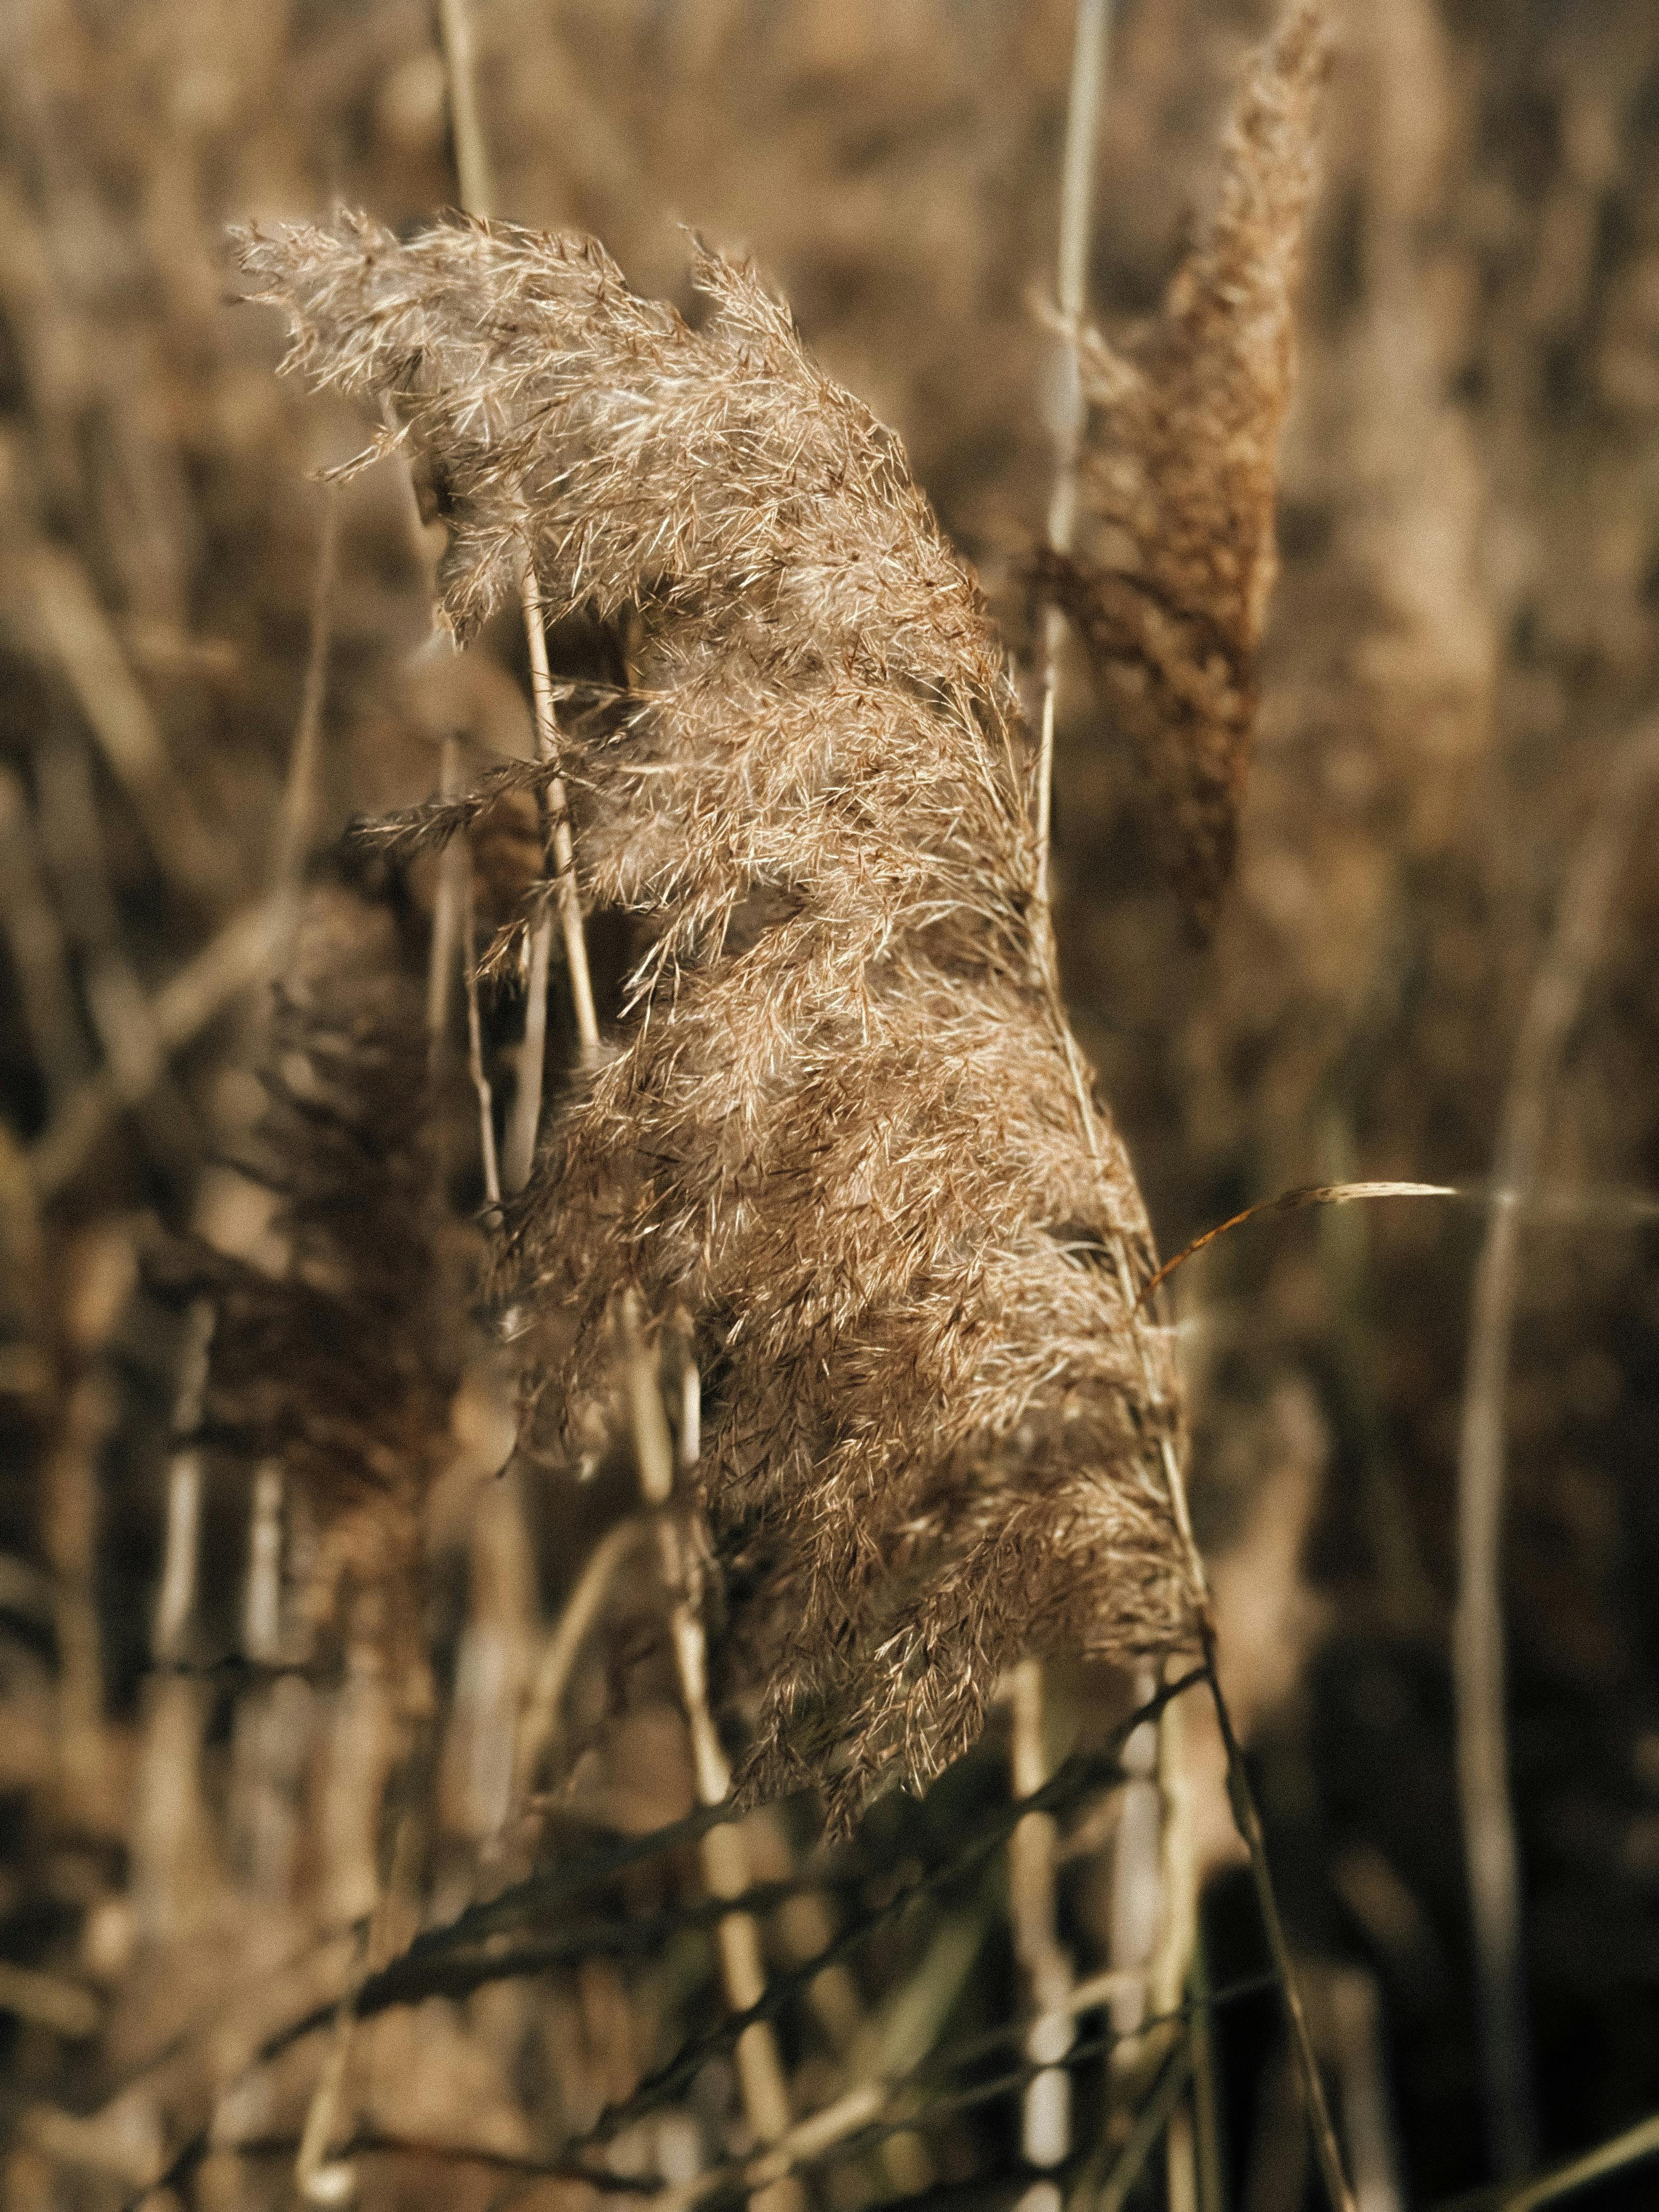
306, 1910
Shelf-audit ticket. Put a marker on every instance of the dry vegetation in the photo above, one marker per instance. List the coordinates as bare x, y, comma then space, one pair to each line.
567, 1348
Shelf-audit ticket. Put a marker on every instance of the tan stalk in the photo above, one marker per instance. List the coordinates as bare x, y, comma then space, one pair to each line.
273, 1725
1291, 1201
1090, 43
262, 1598
495, 1657
474, 178
1478, 1659
563, 1646
176, 1601
1046, 2111
170, 1817
724, 1853
1353, 2013
1613, 2156
1210, 2190
1137, 1890
1045, 2127
1241, 1795
521, 1147
363, 1752
887, 2048
103, 1271
482, 1087
450, 910
524, 1120
1151, 2121
1177, 1939
564, 858
472, 170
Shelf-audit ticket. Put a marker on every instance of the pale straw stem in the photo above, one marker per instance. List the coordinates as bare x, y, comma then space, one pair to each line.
474, 178
483, 1089
1089, 43
724, 1852
520, 1149
1046, 2109
1045, 2125
1241, 1797
472, 165
558, 810
562, 1647
1478, 1656
449, 908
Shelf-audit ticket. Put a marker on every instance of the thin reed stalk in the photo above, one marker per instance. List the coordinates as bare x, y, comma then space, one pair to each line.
563, 1645
560, 842
1091, 39
1174, 479
724, 1854
1045, 2126
1478, 1656
476, 180
1211, 2177
1136, 1893
519, 1154
1151, 2121
1353, 2027
1046, 2111
1241, 1795
102, 1270
169, 1821
450, 910
1631, 2146
1172, 1970
1316, 2106
175, 1601
471, 145
483, 1089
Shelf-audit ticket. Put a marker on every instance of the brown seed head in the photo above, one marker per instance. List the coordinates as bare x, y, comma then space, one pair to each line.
839, 1129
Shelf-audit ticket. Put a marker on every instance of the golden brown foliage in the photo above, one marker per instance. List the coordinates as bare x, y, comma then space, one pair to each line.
1180, 473
842, 1127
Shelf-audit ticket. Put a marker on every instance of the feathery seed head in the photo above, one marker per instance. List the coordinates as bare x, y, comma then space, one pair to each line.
843, 1128
1169, 587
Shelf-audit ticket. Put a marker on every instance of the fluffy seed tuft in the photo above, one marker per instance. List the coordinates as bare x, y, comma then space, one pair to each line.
1170, 585
842, 1128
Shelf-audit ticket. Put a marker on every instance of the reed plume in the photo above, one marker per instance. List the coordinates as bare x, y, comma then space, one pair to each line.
1177, 554
842, 1126
342, 1366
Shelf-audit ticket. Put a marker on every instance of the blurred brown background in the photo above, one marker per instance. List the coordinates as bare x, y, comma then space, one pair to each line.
1465, 630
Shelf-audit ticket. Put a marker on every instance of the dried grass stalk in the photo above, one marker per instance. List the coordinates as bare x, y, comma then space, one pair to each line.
1177, 557
343, 1368
839, 1127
